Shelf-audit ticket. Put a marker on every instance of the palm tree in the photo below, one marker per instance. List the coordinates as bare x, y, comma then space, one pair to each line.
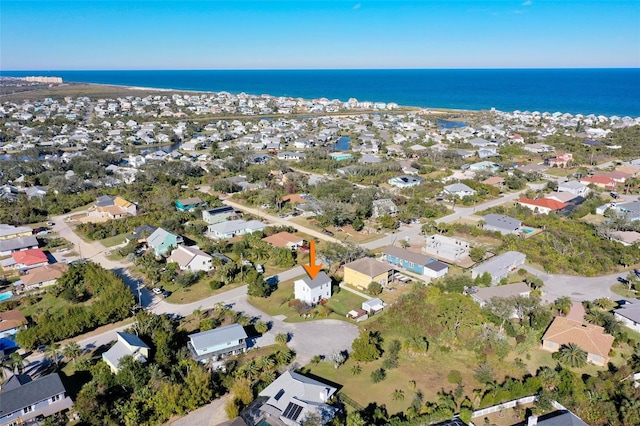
198, 315
356, 369
398, 395
52, 352
16, 362
572, 355
266, 363
282, 338
72, 351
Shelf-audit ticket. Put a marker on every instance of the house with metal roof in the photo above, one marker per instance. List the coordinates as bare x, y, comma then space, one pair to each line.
161, 241
293, 398
127, 345
218, 343
232, 228
500, 266
629, 313
405, 181
9, 231
22, 400
414, 262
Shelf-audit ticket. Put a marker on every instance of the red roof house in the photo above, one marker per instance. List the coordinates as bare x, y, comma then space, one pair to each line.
542, 205
599, 181
28, 259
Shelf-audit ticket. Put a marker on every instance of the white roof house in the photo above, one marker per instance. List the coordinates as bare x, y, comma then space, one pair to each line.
231, 228
191, 258
293, 398
499, 266
459, 190
218, 343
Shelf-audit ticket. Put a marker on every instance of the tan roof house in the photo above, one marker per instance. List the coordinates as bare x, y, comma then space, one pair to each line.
360, 273
10, 322
589, 337
496, 181
42, 276
285, 240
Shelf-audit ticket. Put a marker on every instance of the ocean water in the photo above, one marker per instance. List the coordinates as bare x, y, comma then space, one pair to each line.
586, 91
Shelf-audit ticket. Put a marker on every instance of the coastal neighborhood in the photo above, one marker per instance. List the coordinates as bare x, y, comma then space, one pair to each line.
157, 251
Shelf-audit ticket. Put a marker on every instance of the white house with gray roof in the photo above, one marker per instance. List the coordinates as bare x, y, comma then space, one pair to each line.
312, 291
232, 228
218, 343
500, 266
574, 187
501, 223
22, 400
191, 258
629, 313
293, 398
459, 190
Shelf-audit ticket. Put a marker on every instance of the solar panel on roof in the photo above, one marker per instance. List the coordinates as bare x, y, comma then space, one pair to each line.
292, 411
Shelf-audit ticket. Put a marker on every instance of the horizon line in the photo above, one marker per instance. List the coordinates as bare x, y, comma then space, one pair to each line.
324, 69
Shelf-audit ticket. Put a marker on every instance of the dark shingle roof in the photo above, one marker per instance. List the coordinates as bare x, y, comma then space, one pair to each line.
29, 393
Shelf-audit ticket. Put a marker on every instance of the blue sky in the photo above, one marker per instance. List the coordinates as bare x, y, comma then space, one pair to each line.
81, 35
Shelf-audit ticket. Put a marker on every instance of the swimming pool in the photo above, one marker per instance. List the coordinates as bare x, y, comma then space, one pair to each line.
6, 295
526, 230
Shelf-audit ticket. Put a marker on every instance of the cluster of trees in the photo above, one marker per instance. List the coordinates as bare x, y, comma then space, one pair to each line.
97, 297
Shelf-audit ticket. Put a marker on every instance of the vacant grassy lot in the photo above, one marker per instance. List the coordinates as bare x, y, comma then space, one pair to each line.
114, 241
197, 291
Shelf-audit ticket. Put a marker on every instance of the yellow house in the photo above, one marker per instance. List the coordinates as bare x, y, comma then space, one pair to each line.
127, 345
361, 272
8, 232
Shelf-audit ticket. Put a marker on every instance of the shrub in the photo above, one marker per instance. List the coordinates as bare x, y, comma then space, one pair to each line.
454, 377
378, 375
215, 284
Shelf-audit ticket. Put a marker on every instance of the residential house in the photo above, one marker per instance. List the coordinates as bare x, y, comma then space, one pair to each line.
557, 418
126, 345
501, 223
483, 295
560, 160
500, 266
564, 197
218, 214
109, 207
446, 248
617, 176
626, 238
459, 190
484, 165
362, 272
538, 148
383, 207
590, 337
289, 155
495, 181
35, 191
218, 343
191, 258
414, 262
293, 398
312, 291
189, 204
340, 156
628, 313
8, 232
141, 233
41, 276
232, 228
600, 181
405, 181
285, 240
161, 241
574, 187
10, 322
23, 400
541, 205
27, 259
13, 245
630, 210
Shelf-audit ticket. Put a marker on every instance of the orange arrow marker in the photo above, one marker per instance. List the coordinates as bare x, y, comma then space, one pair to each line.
312, 269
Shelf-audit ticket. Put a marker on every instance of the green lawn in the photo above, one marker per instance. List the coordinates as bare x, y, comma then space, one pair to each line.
278, 303
198, 291
114, 241
48, 303
623, 291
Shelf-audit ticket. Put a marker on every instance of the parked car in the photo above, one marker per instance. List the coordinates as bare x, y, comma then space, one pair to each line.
50, 223
623, 280
157, 290
166, 293
327, 232
637, 272
260, 269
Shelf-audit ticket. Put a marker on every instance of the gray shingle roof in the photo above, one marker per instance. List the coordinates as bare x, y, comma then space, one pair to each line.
410, 256
30, 393
320, 279
436, 266
18, 243
502, 221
